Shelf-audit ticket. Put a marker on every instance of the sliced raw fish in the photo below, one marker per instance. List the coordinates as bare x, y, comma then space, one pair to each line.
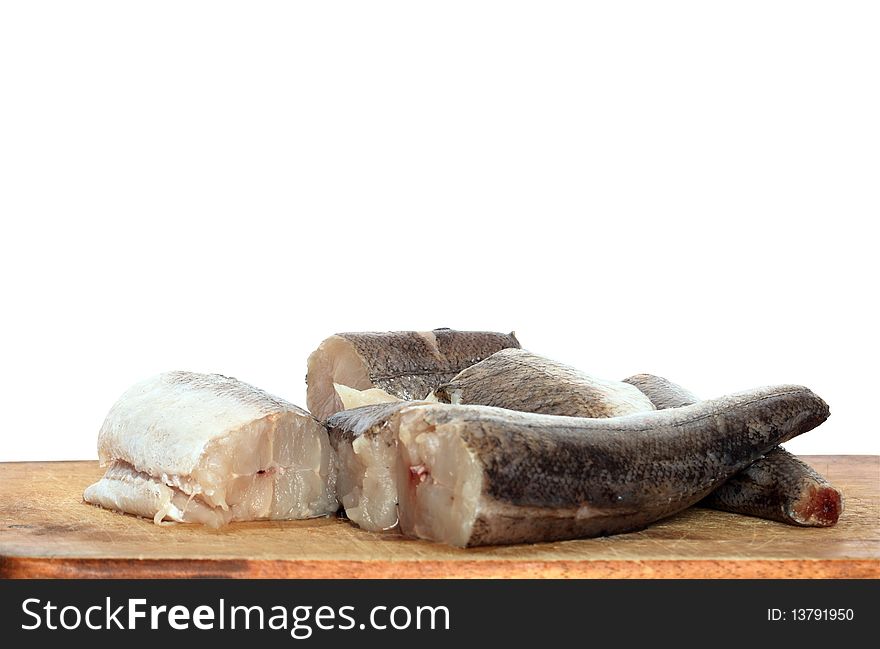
476, 475
401, 364
181, 441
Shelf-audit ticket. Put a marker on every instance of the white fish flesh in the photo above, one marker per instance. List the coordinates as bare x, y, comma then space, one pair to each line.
207, 448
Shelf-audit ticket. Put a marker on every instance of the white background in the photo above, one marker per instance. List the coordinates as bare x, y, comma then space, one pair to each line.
682, 188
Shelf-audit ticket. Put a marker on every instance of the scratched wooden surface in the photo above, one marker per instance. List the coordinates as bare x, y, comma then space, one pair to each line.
47, 531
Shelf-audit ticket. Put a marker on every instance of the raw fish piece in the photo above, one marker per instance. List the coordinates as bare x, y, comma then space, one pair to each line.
402, 364
477, 475
520, 380
778, 487
180, 442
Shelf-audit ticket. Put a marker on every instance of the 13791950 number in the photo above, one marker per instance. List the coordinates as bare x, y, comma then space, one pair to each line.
821, 614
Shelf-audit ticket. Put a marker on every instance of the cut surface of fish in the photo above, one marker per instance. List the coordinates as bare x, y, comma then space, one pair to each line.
520, 380
365, 440
777, 487
403, 364
211, 449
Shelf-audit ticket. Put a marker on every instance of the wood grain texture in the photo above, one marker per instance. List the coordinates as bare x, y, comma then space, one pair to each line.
47, 531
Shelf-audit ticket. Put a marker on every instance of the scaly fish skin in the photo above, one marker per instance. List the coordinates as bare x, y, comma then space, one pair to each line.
780, 487
663, 393
777, 487
519, 380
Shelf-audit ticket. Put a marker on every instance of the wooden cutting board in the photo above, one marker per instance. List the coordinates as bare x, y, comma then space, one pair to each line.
47, 531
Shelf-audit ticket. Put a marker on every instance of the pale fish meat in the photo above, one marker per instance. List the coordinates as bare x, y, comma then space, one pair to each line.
365, 440
393, 365
206, 448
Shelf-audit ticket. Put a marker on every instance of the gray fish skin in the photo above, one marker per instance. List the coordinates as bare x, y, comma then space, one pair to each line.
520, 380
545, 478
405, 364
347, 425
777, 487
663, 393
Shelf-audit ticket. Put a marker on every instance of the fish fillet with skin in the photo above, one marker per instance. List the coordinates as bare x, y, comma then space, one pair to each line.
477, 475
393, 365
206, 448
517, 379
458, 471
511, 378
778, 486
